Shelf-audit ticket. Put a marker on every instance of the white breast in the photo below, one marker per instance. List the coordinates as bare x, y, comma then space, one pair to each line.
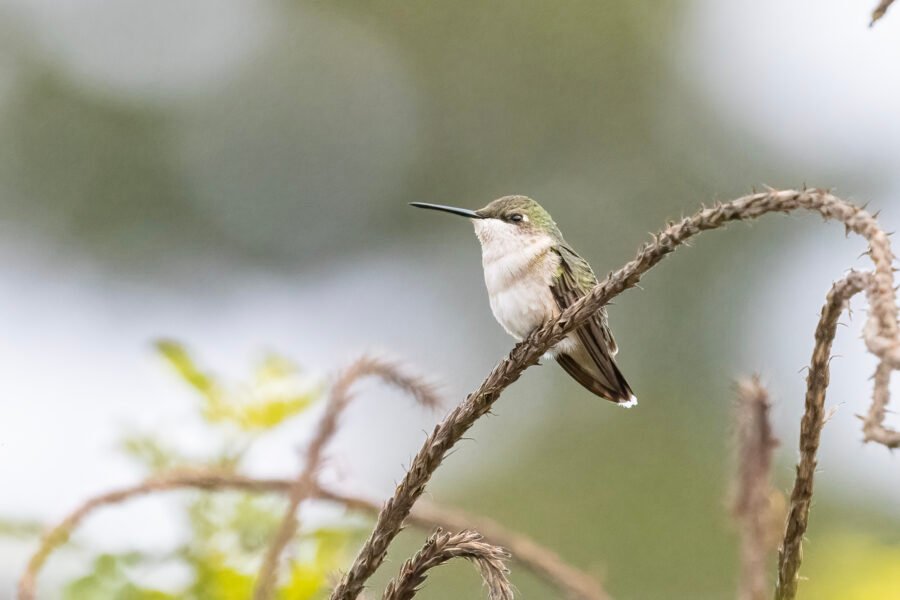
518, 271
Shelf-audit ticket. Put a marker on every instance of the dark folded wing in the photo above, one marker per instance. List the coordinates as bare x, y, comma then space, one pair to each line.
600, 375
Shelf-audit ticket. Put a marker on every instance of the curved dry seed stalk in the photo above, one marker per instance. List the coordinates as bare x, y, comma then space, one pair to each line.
442, 547
790, 552
546, 564
880, 335
880, 10
753, 490
881, 338
542, 561
338, 400
59, 534
873, 423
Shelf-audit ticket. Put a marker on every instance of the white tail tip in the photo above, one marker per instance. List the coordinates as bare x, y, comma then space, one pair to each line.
629, 403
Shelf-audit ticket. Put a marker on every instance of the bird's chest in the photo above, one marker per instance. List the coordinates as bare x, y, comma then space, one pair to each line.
518, 283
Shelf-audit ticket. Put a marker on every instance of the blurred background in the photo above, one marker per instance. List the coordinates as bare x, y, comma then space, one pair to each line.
235, 175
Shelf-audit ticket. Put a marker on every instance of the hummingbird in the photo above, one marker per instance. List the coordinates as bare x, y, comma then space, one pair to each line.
532, 274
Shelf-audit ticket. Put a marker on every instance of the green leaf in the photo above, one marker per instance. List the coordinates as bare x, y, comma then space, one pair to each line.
304, 583
272, 412
276, 392
133, 592
108, 579
216, 580
228, 531
184, 365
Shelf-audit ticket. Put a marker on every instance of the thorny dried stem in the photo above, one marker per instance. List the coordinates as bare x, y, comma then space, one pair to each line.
881, 338
426, 515
790, 553
546, 564
444, 546
873, 423
880, 10
753, 490
880, 334
338, 400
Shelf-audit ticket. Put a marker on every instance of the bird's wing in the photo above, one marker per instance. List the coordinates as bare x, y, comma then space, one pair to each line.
600, 375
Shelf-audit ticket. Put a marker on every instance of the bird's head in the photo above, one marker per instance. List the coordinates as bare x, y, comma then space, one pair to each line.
506, 219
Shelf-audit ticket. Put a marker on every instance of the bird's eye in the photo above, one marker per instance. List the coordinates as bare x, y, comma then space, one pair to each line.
515, 218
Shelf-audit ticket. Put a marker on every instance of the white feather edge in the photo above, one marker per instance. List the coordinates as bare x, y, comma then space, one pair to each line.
628, 403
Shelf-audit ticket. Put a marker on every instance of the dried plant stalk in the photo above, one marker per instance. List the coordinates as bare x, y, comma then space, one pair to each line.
442, 547
881, 336
882, 339
753, 489
790, 553
873, 423
338, 400
59, 534
880, 11
542, 561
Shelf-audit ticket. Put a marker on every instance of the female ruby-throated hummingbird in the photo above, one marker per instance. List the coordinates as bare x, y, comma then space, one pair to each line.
532, 274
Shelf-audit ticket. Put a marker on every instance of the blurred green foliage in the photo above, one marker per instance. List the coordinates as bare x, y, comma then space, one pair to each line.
19, 528
854, 567
228, 532
272, 395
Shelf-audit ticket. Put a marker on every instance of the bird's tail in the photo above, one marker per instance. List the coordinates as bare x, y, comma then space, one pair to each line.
605, 380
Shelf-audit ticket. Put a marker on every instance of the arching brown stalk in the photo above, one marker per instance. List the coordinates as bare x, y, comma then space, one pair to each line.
444, 546
881, 333
338, 400
571, 582
880, 11
817, 378
873, 423
753, 487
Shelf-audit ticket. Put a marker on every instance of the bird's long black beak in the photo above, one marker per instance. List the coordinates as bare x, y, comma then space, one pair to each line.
463, 212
